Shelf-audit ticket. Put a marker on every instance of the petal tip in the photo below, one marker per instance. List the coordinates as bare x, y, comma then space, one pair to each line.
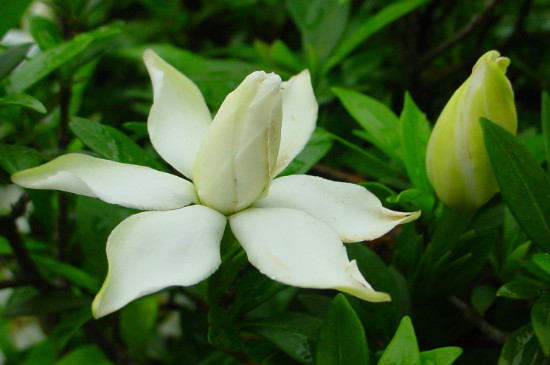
412, 216
21, 178
16, 178
149, 56
96, 310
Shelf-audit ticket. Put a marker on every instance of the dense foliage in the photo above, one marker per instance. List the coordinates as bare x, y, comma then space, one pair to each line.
467, 287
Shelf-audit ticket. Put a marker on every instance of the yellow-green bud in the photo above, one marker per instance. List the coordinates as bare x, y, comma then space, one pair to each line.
456, 160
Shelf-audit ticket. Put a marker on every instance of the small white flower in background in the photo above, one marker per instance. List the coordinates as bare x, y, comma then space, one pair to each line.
291, 227
17, 36
9, 195
24, 331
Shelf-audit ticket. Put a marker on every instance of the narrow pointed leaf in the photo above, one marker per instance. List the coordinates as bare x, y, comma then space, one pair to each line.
16, 158
73, 274
543, 261
540, 320
289, 331
321, 23
545, 121
440, 356
379, 122
68, 326
46, 62
25, 101
403, 348
11, 57
342, 339
85, 355
376, 22
137, 321
415, 132
10, 12
45, 32
111, 143
523, 184
222, 331
522, 348
317, 147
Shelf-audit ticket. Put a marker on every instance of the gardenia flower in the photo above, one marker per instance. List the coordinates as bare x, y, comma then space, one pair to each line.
291, 227
456, 159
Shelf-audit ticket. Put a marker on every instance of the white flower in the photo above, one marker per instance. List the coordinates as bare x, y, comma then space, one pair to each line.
291, 227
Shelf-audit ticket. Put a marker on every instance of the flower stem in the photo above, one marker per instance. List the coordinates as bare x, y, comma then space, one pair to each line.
8, 229
62, 143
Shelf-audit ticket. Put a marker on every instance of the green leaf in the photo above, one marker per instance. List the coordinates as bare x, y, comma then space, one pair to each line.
523, 184
43, 353
253, 289
414, 199
315, 304
45, 32
514, 260
317, 147
482, 298
12, 57
95, 220
540, 320
290, 331
139, 129
279, 53
440, 356
222, 331
17, 158
73, 274
43, 63
374, 23
407, 250
233, 261
545, 121
10, 14
321, 23
373, 165
31, 245
69, 325
26, 101
403, 348
137, 321
466, 259
520, 289
379, 122
85, 355
543, 261
522, 348
28, 301
111, 143
415, 133
382, 319
382, 192
342, 339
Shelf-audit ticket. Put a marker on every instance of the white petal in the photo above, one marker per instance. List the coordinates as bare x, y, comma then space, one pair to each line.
179, 117
351, 210
299, 118
128, 185
233, 166
294, 248
150, 251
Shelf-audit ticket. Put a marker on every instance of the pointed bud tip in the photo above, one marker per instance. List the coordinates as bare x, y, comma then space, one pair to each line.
493, 56
149, 55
